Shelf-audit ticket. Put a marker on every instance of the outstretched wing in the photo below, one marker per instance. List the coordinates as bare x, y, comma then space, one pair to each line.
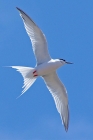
38, 39
59, 94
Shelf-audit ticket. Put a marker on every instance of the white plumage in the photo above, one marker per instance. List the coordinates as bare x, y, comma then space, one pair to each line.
45, 67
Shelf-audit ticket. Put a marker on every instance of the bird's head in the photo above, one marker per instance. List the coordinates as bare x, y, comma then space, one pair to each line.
63, 61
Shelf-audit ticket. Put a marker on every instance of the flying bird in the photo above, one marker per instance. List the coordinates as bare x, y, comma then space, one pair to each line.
45, 67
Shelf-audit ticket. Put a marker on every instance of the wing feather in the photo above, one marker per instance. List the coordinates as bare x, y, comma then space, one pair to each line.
39, 43
59, 94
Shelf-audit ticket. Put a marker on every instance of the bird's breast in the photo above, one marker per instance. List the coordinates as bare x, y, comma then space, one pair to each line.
47, 67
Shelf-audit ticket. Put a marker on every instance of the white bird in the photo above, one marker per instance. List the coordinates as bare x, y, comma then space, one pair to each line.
45, 67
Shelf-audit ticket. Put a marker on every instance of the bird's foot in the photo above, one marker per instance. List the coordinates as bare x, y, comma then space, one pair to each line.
35, 73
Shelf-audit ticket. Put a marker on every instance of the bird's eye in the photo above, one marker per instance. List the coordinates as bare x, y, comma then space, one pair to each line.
63, 59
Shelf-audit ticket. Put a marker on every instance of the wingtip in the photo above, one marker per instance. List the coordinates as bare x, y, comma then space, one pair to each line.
66, 125
66, 120
66, 128
17, 8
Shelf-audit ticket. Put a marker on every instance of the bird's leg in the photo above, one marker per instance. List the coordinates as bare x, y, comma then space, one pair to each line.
35, 73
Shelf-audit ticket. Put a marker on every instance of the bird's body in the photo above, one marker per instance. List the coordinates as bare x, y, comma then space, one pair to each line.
48, 67
45, 67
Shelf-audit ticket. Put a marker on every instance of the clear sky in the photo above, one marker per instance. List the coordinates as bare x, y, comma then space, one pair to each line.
68, 26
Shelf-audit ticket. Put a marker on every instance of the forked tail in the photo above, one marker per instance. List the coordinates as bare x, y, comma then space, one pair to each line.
29, 76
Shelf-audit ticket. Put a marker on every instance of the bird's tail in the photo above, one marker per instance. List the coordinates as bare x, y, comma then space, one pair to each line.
28, 76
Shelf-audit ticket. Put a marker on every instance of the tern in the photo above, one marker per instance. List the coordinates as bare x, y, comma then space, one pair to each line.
45, 67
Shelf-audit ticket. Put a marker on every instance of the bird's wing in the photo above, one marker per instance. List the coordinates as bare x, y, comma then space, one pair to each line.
59, 94
39, 43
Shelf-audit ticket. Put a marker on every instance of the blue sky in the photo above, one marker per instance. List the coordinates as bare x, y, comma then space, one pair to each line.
68, 26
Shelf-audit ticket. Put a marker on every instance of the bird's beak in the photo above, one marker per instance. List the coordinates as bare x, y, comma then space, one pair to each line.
69, 62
